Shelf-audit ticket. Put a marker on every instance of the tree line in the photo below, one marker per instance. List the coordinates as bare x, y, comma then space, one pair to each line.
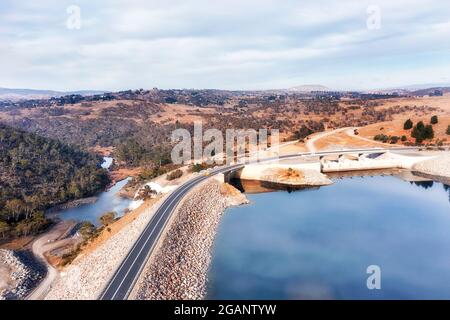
421, 131
38, 173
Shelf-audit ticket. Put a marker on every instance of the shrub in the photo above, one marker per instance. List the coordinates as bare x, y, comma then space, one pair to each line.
174, 175
404, 138
434, 119
68, 257
448, 130
146, 193
408, 124
87, 230
199, 167
381, 137
394, 139
107, 218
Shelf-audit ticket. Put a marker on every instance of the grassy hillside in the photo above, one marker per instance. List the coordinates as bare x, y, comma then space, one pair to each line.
37, 173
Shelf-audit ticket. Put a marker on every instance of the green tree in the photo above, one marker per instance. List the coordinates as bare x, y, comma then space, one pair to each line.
174, 175
434, 119
408, 124
448, 130
421, 132
38, 173
87, 230
4, 229
428, 132
15, 208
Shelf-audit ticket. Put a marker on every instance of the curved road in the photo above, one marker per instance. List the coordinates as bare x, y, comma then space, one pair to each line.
128, 272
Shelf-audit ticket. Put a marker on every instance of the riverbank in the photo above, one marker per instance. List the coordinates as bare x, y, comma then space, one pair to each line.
71, 204
89, 273
179, 267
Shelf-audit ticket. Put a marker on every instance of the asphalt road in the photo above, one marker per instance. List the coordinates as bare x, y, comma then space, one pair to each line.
128, 272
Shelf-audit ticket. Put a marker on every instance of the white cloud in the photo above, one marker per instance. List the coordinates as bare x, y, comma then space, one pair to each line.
222, 44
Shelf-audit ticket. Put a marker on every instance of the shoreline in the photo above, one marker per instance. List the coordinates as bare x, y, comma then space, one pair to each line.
178, 269
89, 273
435, 169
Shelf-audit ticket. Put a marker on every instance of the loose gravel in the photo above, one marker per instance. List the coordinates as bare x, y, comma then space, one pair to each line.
25, 273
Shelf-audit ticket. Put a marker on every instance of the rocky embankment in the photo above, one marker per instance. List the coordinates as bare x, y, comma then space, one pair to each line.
437, 169
179, 268
86, 277
20, 274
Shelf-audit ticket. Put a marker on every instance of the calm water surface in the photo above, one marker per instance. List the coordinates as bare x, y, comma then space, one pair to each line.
319, 243
108, 200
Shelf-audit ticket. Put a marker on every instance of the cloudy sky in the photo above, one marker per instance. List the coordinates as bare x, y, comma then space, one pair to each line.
232, 44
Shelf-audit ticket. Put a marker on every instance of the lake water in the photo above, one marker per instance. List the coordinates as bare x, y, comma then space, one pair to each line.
108, 200
317, 244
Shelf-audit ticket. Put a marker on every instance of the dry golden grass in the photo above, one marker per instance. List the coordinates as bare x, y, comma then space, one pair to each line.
342, 139
123, 173
395, 128
437, 102
292, 148
290, 174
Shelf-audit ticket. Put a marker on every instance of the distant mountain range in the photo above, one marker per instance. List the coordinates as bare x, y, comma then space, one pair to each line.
309, 88
20, 94
423, 92
419, 89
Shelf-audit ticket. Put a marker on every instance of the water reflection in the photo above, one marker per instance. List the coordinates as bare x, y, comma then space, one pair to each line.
424, 184
318, 244
447, 188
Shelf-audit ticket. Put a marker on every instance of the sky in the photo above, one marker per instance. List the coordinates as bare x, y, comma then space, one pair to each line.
245, 44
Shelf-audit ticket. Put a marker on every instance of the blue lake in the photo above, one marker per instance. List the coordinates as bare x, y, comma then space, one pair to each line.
317, 244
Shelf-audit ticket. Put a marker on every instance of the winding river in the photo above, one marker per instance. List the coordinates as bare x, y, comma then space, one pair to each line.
108, 200
318, 244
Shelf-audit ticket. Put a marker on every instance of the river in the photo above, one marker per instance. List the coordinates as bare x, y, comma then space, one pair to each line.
318, 244
108, 200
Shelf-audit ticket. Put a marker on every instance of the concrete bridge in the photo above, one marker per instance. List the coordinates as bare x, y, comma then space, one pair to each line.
335, 161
